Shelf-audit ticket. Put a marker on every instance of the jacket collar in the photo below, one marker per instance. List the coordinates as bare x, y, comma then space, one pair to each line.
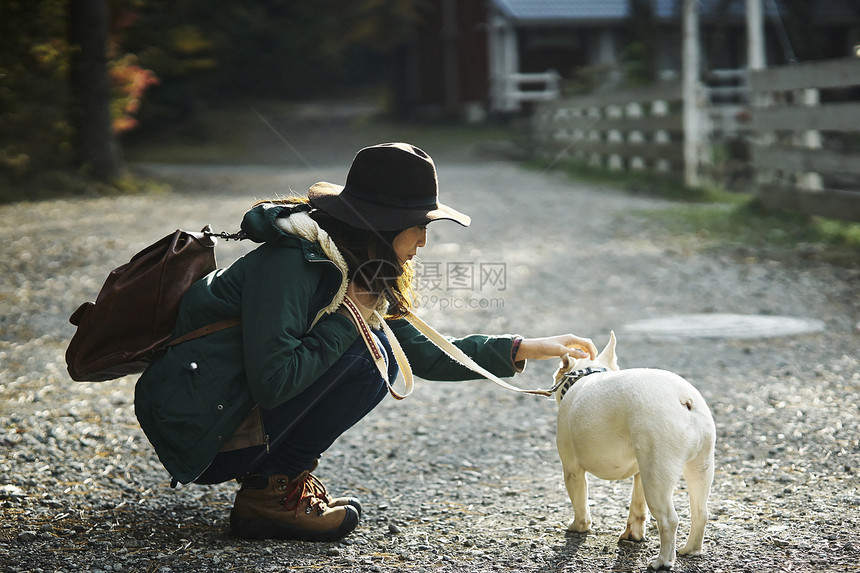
321, 247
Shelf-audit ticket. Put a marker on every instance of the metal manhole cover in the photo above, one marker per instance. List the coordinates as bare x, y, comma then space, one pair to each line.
738, 326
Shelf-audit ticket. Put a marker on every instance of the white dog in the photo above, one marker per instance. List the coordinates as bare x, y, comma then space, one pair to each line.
641, 422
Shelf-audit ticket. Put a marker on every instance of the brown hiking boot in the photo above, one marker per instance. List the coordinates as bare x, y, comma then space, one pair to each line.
279, 508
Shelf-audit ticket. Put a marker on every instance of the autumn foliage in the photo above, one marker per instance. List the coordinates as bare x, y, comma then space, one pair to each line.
129, 82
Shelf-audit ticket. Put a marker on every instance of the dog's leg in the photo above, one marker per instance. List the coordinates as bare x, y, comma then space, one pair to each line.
577, 488
635, 530
658, 484
699, 473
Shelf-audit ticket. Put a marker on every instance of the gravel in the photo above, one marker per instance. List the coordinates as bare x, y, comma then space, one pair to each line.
460, 476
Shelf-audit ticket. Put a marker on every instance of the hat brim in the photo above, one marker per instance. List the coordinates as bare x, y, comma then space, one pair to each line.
365, 214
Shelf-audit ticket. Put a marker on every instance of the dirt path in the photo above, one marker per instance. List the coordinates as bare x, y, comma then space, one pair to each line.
460, 477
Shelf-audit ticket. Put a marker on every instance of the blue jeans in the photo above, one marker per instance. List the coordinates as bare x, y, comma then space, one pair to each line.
305, 426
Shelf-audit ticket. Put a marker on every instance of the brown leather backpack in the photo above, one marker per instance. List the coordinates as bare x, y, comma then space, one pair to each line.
135, 311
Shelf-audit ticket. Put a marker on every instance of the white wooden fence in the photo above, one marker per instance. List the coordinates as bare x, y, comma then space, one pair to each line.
803, 132
635, 129
806, 137
510, 91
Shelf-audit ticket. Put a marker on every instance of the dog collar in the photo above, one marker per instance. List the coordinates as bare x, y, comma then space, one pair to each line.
570, 378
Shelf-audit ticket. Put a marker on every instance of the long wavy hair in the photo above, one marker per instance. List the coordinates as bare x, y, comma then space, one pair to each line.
371, 260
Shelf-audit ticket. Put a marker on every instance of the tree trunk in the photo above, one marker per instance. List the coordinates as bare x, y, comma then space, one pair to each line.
96, 148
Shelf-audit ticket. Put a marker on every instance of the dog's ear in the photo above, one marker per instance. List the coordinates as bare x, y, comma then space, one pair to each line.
607, 356
565, 362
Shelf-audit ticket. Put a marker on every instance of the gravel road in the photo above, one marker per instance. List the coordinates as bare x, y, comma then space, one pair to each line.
460, 477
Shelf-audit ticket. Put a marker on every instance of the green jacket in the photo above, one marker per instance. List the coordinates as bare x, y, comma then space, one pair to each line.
194, 396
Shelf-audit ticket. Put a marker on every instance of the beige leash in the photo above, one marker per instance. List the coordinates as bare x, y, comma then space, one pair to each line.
403, 363
458, 355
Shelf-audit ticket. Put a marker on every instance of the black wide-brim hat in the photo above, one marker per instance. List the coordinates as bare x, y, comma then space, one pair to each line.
389, 186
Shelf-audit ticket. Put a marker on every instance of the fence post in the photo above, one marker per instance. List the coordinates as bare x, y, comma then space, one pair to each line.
692, 111
811, 139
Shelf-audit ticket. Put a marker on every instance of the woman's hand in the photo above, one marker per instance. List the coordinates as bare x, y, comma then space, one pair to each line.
556, 347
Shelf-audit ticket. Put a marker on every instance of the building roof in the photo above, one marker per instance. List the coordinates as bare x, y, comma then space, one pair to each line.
562, 10
583, 11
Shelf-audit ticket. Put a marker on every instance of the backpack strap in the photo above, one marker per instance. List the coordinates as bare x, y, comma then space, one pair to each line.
204, 330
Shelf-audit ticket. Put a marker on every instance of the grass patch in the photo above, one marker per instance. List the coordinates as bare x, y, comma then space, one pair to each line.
638, 182
718, 218
747, 227
748, 223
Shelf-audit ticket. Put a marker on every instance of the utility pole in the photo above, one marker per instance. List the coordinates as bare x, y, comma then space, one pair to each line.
755, 36
692, 111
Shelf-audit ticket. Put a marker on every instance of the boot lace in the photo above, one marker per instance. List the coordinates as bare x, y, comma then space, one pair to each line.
308, 489
318, 489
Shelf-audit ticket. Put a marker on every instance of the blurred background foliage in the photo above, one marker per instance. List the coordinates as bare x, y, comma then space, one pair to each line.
34, 65
218, 51
167, 60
